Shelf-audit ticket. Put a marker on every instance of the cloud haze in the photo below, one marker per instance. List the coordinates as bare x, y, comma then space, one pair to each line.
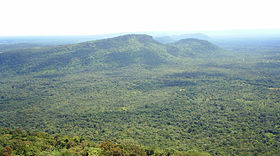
89, 17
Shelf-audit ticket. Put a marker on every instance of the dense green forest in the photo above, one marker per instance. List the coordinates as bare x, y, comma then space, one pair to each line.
180, 97
21, 142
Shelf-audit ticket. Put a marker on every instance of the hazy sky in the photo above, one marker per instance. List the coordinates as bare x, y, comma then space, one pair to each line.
89, 17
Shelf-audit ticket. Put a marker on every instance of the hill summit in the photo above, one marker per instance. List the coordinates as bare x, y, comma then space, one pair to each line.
121, 41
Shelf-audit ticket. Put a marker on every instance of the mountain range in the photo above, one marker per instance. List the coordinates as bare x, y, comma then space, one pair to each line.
114, 52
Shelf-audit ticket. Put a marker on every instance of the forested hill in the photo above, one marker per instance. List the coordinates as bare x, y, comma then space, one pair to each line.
103, 54
174, 38
192, 47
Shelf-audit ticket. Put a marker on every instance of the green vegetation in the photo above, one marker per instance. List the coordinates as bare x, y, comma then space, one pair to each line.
184, 96
20, 142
